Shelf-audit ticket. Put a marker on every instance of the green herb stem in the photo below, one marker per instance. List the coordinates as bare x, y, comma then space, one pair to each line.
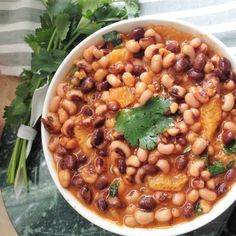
51, 40
72, 41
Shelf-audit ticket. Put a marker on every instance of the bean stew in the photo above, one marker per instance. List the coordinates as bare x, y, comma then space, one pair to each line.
143, 127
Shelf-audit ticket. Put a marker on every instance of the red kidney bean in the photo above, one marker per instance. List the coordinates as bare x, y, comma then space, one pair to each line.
121, 164
192, 74
181, 140
77, 181
61, 150
199, 62
150, 169
221, 189
81, 159
227, 137
113, 106
188, 210
138, 70
70, 161
98, 121
181, 162
137, 33
86, 110
102, 86
173, 46
197, 183
86, 194
224, 65
147, 203
102, 152
87, 85
97, 137
102, 182
115, 202
230, 175
182, 64
139, 54
102, 204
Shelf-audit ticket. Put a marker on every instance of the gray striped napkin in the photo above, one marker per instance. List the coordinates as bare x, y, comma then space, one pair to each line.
19, 17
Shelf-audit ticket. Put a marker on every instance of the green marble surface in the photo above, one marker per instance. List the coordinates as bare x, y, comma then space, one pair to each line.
42, 211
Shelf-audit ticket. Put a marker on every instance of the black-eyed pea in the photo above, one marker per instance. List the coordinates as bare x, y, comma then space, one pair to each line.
167, 81
128, 79
175, 212
228, 102
173, 131
54, 104
133, 161
199, 145
228, 125
156, 64
88, 143
145, 42
110, 122
146, 77
211, 184
189, 51
64, 178
146, 95
207, 194
178, 199
75, 81
142, 154
195, 42
194, 167
88, 174
100, 74
151, 50
203, 48
95, 65
229, 85
196, 127
183, 128
131, 208
119, 145
74, 95
163, 215
97, 53
191, 136
130, 221
206, 206
132, 196
105, 96
143, 217
129, 67
53, 143
209, 67
165, 149
113, 80
169, 60
130, 170
104, 62
153, 157
163, 165
205, 175
140, 87
63, 115
191, 100
68, 128
183, 107
192, 195
69, 106
61, 89
101, 109
88, 53
174, 107
153, 33
188, 117
132, 46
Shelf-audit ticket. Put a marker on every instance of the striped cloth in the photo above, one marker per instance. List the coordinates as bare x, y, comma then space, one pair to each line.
19, 17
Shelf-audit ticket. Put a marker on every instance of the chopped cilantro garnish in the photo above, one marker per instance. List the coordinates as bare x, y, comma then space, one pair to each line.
113, 190
231, 148
142, 125
113, 38
216, 168
198, 208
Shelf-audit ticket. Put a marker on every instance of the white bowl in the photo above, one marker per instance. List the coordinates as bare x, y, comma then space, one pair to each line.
126, 26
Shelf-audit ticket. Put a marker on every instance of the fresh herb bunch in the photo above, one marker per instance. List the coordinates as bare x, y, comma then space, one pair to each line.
64, 24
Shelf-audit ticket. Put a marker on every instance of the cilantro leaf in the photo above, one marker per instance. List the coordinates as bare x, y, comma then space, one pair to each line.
231, 148
113, 38
132, 7
113, 190
216, 168
143, 124
230, 164
62, 24
198, 208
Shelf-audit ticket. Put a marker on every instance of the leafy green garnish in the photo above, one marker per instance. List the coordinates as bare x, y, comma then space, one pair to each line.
142, 125
230, 164
216, 168
64, 24
198, 208
113, 38
206, 159
231, 148
113, 190
187, 149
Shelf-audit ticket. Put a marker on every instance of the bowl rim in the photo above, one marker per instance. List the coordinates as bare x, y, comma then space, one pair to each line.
181, 228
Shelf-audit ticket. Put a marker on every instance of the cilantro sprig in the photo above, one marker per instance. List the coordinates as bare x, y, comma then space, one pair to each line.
63, 25
142, 125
